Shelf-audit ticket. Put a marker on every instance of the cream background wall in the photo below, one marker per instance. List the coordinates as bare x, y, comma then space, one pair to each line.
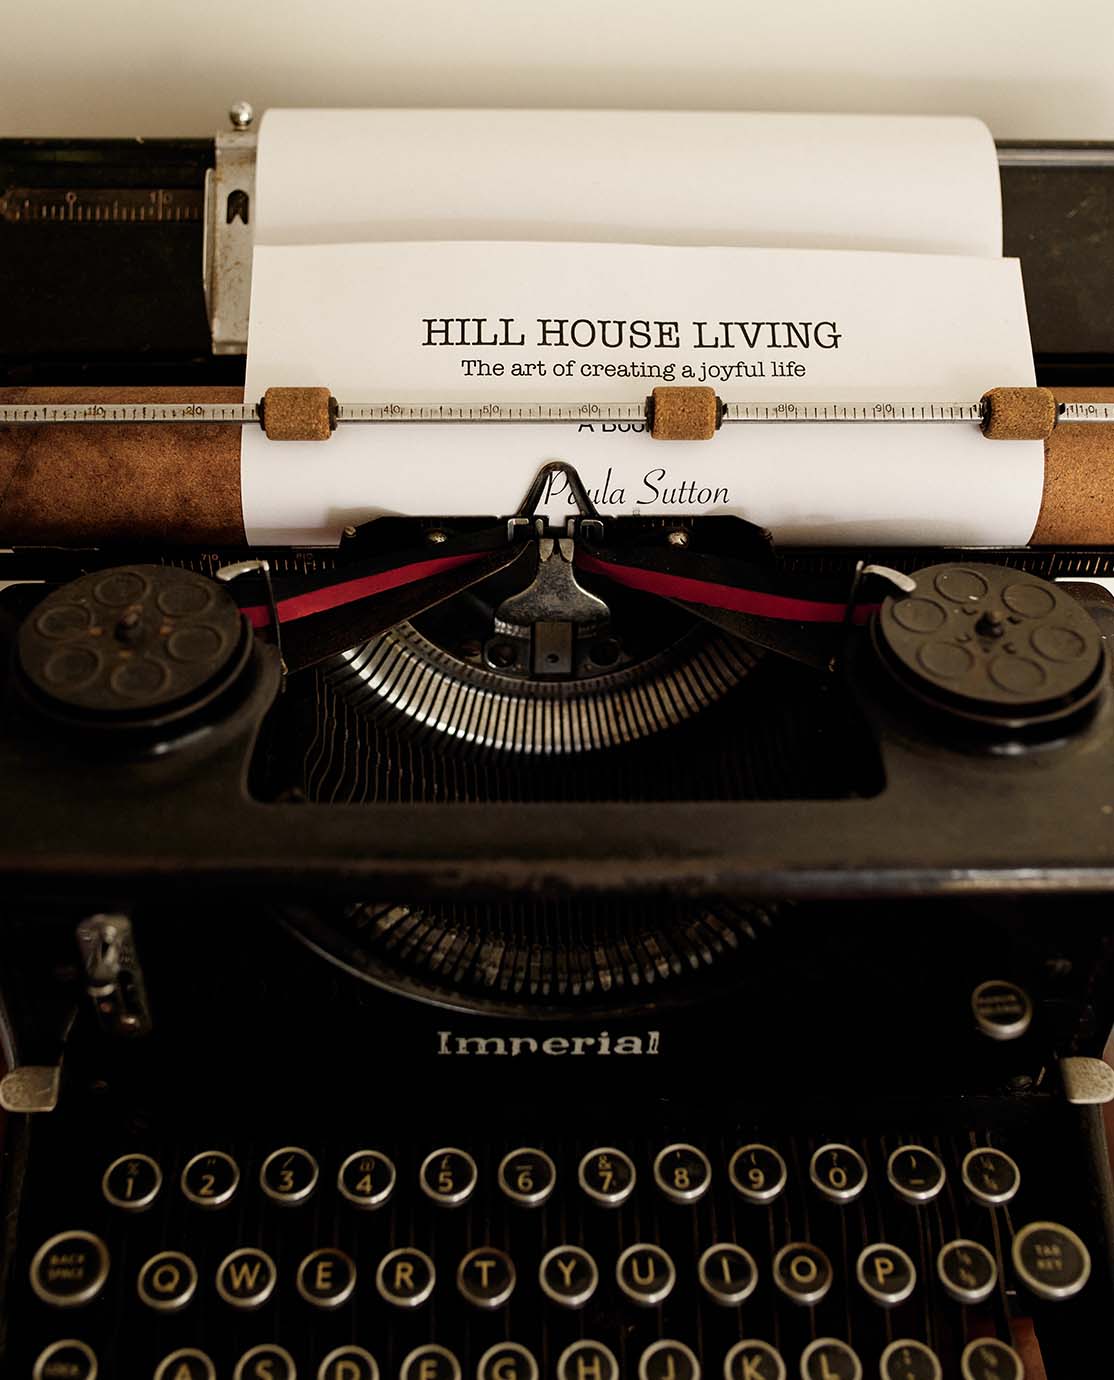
1030, 68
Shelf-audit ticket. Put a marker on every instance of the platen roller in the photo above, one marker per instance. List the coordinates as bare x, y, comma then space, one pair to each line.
78, 484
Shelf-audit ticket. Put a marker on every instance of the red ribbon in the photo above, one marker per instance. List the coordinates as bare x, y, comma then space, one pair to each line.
753, 601
349, 591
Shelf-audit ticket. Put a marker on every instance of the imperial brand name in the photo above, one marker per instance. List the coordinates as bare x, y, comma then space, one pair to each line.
603, 1043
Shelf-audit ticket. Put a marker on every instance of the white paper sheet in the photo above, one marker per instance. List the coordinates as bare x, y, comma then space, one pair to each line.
910, 327
900, 183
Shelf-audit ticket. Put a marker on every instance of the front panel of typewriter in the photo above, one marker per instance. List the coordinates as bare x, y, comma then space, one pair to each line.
580, 1131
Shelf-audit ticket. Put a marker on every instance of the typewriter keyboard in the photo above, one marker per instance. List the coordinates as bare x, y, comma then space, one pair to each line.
670, 1257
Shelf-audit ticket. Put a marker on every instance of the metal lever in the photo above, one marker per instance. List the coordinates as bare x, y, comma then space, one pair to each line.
1087, 1082
31, 1088
112, 974
552, 611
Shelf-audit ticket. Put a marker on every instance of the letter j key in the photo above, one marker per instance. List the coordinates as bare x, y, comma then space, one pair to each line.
668, 1360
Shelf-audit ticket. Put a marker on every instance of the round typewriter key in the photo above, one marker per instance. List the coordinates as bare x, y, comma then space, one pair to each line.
167, 1281
916, 1173
839, 1172
486, 1277
367, 1178
668, 1360
527, 1176
210, 1179
266, 1362
802, 1272
727, 1273
67, 1360
326, 1277
607, 1175
990, 1175
186, 1364
587, 1360
753, 1360
886, 1273
827, 1358
132, 1182
1050, 1260
288, 1175
405, 1277
645, 1273
986, 1358
907, 1359
246, 1278
348, 1363
967, 1271
682, 1172
70, 1269
1002, 1010
449, 1176
430, 1362
507, 1361
758, 1172
568, 1275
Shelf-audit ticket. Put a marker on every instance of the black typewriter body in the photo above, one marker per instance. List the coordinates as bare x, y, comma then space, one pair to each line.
758, 1039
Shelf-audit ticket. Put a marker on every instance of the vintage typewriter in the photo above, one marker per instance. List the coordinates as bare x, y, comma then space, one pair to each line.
536, 961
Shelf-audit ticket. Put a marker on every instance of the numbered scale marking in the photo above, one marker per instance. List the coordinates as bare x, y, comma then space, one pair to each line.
244, 414
102, 205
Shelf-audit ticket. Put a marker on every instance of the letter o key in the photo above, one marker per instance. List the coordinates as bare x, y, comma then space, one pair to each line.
802, 1272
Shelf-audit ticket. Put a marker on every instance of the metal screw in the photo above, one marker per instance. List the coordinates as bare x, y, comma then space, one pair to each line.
678, 538
350, 531
130, 627
991, 624
241, 114
437, 537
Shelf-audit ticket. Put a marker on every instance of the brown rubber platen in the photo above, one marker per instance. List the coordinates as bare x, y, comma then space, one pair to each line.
297, 414
1077, 508
684, 414
1019, 414
85, 484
